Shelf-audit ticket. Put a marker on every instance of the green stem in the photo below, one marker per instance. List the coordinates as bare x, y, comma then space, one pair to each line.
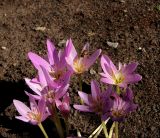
57, 122
80, 86
79, 133
43, 130
118, 90
66, 124
80, 82
104, 129
98, 130
111, 130
116, 129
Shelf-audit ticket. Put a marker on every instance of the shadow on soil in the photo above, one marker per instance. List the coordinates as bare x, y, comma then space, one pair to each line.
11, 127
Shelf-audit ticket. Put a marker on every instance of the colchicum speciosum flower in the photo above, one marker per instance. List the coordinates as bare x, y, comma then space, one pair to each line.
80, 63
36, 114
45, 88
55, 63
97, 101
122, 105
120, 77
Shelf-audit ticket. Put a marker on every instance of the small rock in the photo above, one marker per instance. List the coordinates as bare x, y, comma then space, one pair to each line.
40, 29
92, 71
111, 44
62, 42
3, 47
153, 128
140, 48
122, 1
125, 11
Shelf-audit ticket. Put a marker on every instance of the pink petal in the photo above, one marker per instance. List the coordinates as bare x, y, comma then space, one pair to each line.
45, 115
42, 107
37, 97
107, 80
133, 78
85, 48
22, 118
21, 108
45, 78
66, 98
62, 91
62, 61
91, 59
106, 60
130, 68
83, 108
51, 49
58, 102
33, 103
95, 89
37, 61
123, 84
70, 50
70, 63
128, 95
34, 86
85, 97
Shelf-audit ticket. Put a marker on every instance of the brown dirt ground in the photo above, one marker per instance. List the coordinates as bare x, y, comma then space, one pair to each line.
134, 24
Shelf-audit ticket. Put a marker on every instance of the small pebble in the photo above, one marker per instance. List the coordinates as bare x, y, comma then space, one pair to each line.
139, 48
122, 1
111, 44
61, 43
3, 47
92, 71
125, 11
40, 29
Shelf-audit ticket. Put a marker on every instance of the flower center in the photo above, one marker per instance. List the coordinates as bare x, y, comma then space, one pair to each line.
117, 113
118, 78
78, 65
34, 115
56, 74
98, 106
49, 96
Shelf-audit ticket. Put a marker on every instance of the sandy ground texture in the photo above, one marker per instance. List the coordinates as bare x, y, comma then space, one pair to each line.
134, 24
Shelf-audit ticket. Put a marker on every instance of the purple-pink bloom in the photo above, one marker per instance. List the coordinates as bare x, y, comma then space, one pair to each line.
45, 88
122, 105
97, 101
80, 63
36, 114
55, 63
64, 105
122, 76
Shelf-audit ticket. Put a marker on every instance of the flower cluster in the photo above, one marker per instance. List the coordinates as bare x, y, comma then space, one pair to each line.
50, 87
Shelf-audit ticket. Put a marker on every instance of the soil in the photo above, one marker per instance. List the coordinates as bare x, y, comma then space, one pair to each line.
134, 24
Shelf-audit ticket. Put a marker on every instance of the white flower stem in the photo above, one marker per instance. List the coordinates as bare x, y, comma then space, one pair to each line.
118, 90
104, 129
116, 129
43, 130
58, 125
97, 131
111, 130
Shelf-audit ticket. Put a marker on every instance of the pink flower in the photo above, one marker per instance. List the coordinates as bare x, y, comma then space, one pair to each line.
122, 105
55, 63
64, 105
122, 76
97, 101
35, 114
80, 63
45, 88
